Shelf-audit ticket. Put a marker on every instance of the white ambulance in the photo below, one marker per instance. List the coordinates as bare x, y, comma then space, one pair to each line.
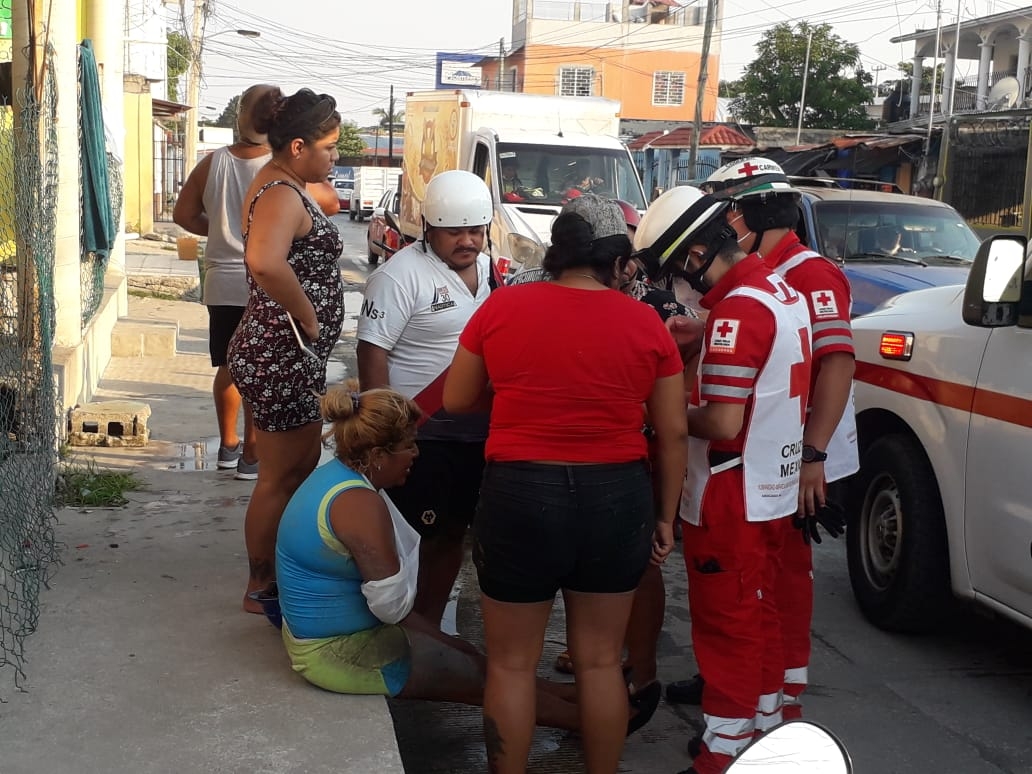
942, 505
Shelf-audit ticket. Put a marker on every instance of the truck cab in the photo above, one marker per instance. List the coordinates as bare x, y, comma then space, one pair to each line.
941, 507
531, 176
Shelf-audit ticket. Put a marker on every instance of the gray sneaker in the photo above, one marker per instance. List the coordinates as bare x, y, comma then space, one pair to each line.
246, 471
228, 457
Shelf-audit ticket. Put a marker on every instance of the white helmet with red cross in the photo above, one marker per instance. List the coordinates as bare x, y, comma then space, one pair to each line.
747, 178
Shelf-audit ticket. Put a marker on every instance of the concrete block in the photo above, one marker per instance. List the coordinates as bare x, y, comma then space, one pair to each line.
109, 423
134, 338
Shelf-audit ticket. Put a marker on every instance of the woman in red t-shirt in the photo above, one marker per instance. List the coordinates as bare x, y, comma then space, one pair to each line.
567, 499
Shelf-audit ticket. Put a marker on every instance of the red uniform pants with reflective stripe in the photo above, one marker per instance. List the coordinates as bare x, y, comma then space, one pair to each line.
736, 633
793, 594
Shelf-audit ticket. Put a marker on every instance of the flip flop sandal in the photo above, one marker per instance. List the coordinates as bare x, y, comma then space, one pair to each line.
643, 703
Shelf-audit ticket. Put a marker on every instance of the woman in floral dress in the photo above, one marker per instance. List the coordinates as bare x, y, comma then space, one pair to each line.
277, 356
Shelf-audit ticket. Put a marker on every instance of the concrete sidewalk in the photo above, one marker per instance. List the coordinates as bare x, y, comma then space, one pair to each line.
143, 661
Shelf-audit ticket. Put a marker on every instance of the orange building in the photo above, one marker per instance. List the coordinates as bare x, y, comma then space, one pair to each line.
646, 54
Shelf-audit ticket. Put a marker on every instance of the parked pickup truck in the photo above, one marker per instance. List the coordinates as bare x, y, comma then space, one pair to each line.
886, 243
942, 506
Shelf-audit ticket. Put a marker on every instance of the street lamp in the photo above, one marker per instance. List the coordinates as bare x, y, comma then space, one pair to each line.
193, 85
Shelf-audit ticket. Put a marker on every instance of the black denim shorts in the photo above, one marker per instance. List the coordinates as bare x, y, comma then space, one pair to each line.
440, 495
540, 528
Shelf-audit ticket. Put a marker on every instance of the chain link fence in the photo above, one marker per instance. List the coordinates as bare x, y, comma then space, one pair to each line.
28, 401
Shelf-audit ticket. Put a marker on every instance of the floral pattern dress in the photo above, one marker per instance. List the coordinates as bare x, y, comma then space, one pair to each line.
279, 381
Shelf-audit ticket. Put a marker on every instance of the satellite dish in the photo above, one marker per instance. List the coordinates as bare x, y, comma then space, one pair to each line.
1004, 95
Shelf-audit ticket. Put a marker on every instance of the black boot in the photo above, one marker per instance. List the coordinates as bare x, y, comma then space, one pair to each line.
685, 691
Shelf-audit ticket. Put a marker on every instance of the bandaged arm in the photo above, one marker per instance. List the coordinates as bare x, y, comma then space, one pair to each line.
390, 599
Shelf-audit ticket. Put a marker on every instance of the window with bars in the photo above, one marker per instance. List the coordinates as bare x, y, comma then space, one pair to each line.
576, 81
667, 88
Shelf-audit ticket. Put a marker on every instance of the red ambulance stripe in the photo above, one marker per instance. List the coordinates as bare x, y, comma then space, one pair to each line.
986, 403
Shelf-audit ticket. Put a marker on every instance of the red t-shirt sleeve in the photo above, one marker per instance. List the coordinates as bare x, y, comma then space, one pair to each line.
472, 336
827, 295
739, 338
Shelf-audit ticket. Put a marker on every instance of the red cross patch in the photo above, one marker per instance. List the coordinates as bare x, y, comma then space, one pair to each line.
824, 303
724, 336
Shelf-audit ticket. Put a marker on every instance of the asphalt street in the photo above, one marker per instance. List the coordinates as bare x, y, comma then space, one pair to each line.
958, 701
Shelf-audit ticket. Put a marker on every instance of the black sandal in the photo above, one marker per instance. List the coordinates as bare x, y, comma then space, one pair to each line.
643, 703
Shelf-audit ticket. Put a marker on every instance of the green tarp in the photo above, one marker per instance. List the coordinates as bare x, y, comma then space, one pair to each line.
98, 221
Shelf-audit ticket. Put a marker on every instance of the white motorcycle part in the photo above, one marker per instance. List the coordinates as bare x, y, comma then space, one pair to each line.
794, 747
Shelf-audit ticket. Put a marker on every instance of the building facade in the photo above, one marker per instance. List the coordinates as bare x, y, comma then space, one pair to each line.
645, 54
1000, 44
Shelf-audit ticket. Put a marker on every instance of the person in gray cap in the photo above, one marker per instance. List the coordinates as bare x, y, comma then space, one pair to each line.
567, 496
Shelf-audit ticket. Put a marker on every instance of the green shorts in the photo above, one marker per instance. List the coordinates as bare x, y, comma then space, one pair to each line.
372, 661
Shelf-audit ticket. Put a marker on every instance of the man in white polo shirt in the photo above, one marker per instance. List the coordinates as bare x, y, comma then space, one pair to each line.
414, 309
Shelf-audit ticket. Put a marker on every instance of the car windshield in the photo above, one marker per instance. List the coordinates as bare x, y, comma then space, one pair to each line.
547, 174
906, 231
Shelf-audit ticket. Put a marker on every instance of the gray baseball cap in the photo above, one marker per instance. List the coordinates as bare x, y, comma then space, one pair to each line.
605, 216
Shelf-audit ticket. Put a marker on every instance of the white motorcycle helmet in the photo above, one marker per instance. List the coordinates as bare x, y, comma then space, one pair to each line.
747, 178
669, 226
457, 199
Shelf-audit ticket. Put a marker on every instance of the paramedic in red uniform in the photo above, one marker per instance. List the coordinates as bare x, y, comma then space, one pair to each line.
768, 207
745, 422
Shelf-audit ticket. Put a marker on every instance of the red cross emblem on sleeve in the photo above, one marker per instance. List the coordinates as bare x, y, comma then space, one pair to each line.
824, 304
724, 336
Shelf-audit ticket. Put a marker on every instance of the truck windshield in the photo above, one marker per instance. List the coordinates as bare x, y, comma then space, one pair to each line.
551, 174
904, 230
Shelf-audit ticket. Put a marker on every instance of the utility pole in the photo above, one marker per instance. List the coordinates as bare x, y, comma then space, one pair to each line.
700, 87
956, 59
802, 97
501, 65
390, 129
935, 73
877, 72
193, 86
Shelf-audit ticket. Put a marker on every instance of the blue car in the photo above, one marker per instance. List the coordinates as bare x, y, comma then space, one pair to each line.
886, 243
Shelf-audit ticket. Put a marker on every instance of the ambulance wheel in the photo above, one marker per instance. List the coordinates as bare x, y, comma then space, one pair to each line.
896, 539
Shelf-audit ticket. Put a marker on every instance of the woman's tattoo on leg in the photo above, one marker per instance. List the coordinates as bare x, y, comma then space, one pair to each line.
494, 743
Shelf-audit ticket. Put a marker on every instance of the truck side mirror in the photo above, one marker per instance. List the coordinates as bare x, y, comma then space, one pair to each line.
993, 289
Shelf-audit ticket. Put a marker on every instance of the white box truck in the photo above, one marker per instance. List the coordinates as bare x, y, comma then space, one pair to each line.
534, 152
370, 184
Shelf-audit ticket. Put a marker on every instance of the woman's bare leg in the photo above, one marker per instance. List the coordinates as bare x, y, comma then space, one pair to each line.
250, 450
227, 407
595, 628
287, 457
514, 636
442, 671
645, 625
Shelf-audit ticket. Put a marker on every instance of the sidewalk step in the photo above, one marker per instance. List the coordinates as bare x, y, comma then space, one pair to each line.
144, 338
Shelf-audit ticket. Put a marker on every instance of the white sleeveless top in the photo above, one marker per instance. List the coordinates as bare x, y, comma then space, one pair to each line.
225, 279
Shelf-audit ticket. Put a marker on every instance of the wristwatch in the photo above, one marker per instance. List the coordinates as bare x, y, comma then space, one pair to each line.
812, 454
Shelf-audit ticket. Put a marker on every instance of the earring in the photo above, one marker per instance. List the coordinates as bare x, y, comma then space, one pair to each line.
378, 467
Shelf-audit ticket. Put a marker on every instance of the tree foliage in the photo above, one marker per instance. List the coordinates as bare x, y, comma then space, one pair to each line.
837, 87
177, 62
906, 70
350, 144
386, 120
228, 116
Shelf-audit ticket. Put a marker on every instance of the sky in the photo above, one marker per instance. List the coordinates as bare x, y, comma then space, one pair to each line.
356, 50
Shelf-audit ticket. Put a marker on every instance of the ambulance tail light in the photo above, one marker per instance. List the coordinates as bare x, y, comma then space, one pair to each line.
896, 345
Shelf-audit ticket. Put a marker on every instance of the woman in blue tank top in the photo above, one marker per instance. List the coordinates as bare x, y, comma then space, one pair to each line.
346, 570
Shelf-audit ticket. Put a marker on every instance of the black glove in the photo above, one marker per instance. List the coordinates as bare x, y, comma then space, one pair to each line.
831, 516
